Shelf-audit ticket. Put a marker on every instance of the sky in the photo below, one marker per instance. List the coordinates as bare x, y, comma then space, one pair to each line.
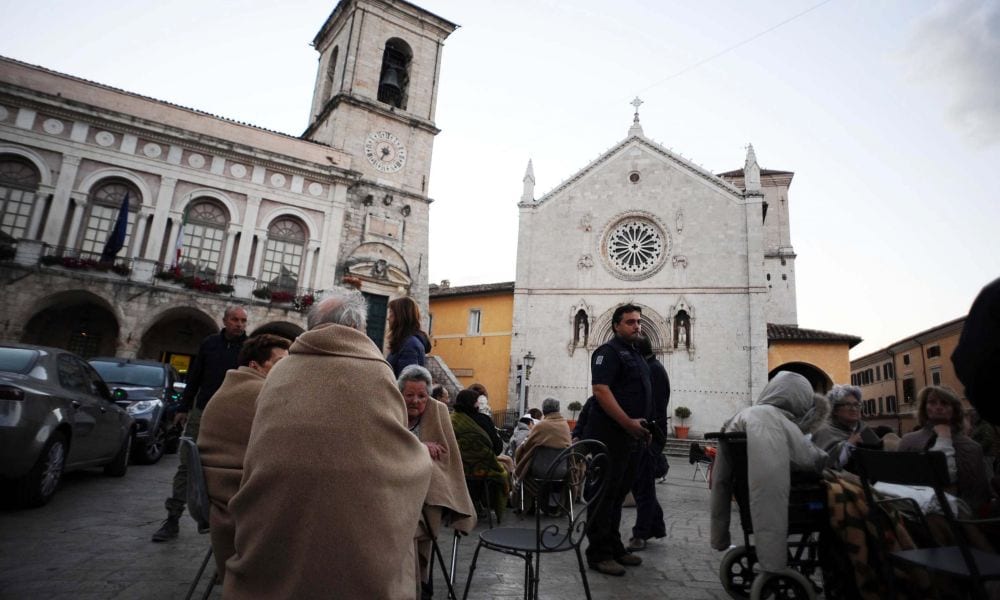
888, 113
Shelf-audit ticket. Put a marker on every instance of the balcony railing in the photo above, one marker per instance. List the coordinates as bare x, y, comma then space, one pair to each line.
32, 253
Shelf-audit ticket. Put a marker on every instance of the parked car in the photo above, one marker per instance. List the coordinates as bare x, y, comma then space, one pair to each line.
56, 415
150, 392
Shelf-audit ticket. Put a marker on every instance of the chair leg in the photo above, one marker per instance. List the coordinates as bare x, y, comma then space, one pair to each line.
211, 584
436, 551
454, 556
472, 569
197, 578
583, 573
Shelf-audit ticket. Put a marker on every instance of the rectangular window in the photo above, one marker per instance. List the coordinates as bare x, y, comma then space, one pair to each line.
936, 377
430, 324
99, 225
881, 407
475, 316
934, 352
878, 374
909, 390
906, 359
890, 404
891, 370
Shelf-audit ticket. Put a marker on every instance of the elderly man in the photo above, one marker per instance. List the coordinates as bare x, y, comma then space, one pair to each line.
217, 354
448, 499
333, 480
225, 431
551, 432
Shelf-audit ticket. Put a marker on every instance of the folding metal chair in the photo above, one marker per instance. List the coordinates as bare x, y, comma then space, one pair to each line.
701, 461
198, 506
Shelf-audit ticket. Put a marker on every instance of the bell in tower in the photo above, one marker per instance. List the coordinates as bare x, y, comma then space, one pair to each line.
394, 77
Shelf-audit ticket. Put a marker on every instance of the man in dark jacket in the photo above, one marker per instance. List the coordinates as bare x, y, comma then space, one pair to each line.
218, 353
977, 356
648, 513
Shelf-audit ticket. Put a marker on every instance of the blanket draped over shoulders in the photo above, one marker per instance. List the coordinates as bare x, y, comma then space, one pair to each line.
478, 458
550, 432
334, 481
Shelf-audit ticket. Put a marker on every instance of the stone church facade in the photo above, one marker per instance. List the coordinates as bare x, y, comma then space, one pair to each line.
708, 258
269, 220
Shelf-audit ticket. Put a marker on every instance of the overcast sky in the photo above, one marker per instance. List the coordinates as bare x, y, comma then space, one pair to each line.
888, 113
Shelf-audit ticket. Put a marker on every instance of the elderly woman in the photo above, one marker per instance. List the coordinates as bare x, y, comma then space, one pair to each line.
845, 431
940, 416
448, 500
478, 457
776, 428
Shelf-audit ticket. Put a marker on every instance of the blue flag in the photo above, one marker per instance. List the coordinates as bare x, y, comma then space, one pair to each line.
116, 239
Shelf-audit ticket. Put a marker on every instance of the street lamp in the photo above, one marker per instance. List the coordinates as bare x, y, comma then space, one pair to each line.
528, 361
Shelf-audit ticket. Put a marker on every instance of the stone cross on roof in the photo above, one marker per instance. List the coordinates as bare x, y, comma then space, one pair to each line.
636, 129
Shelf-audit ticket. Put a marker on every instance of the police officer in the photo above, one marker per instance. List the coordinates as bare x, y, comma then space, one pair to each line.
621, 387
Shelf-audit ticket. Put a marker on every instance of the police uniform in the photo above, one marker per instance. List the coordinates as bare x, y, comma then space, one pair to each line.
619, 366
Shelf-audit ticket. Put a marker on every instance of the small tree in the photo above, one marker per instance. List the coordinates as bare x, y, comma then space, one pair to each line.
682, 413
575, 407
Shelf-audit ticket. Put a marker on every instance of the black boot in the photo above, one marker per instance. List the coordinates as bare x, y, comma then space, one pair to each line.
169, 529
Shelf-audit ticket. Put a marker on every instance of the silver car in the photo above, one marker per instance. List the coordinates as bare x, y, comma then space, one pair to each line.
56, 415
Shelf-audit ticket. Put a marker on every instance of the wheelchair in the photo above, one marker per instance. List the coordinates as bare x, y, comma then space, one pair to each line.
817, 563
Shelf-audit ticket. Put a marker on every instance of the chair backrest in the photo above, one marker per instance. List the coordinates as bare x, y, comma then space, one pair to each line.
197, 492
696, 453
585, 466
542, 459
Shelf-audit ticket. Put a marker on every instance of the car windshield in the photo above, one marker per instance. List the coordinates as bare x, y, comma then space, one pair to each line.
17, 360
129, 374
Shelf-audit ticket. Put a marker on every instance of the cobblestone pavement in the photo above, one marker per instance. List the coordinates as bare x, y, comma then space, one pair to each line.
93, 541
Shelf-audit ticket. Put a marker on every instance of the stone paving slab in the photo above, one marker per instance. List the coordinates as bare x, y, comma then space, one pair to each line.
93, 541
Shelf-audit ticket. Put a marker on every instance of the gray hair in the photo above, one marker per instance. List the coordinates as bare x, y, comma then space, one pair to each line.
414, 373
233, 308
341, 306
838, 394
550, 405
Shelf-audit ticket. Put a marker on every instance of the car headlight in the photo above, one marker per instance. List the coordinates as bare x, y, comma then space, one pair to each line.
141, 406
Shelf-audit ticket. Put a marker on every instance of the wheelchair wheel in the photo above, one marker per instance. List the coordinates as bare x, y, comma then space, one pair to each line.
787, 585
736, 572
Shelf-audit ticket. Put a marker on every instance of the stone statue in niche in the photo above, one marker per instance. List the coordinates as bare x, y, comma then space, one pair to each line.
585, 262
380, 269
682, 330
679, 219
581, 328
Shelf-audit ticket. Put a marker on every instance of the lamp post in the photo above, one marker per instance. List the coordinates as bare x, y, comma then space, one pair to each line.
528, 360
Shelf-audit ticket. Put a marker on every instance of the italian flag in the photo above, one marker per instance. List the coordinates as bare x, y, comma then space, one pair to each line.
179, 246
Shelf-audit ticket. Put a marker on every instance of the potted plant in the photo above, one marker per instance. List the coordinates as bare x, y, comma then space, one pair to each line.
682, 413
575, 407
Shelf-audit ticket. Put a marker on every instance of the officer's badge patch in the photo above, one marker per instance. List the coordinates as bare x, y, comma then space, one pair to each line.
599, 359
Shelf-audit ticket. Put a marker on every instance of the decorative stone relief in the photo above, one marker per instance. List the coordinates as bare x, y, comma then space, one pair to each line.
680, 261
679, 219
634, 246
278, 180
152, 150
196, 160
315, 189
104, 138
238, 171
53, 126
585, 221
380, 270
585, 262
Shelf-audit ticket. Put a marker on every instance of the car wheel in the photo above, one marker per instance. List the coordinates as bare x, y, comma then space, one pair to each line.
119, 464
40, 484
152, 449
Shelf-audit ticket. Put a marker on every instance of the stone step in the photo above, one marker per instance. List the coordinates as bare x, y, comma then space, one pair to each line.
678, 447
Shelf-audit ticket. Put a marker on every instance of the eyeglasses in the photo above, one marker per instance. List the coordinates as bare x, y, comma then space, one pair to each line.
853, 405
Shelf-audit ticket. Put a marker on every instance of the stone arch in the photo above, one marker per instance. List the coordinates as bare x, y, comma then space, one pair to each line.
44, 170
819, 379
176, 330
378, 263
223, 199
77, 320
285, 329
96, 177
312, 229
653, 325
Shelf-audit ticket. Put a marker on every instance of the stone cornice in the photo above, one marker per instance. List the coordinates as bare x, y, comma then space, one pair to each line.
403, 117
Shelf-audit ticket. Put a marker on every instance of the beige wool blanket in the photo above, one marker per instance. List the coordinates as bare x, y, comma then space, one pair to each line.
333, 481
222, 441
551, 432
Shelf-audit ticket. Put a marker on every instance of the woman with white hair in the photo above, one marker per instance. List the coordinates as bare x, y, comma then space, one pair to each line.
845, 430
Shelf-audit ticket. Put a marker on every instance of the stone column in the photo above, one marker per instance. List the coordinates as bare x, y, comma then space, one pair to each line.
258, 258
139, 232
308, 281
333, 225
60, 202
161, 211
36, 212
74, 227
246, 240
227, 255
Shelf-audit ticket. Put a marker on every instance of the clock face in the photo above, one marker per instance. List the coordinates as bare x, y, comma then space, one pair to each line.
385, 152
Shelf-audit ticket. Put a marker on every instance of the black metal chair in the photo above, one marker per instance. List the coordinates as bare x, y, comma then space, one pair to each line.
538, 474
702, 462
586, 460
449, 576
198, 506
961, 561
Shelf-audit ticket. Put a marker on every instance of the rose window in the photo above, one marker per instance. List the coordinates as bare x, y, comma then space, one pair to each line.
635, 247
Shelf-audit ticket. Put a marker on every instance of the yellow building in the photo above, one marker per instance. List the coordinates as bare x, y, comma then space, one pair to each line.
821, 356
891, 377
470, 328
